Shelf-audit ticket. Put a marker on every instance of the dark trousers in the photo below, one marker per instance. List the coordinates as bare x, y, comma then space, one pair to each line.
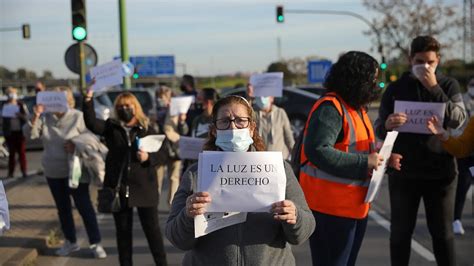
464, 182
16, 144
438, 198
151, 227
336, 240
61, 193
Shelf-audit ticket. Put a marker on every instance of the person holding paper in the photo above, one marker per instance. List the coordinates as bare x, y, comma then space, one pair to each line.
428, 172
138, 186
337, 158
264, 238
200, 126
12, 131
273, 124
56, 131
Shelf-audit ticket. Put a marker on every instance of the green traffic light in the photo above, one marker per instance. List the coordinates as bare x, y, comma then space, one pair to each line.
79, 33
135, 75
280, 18
381, 84
383, 66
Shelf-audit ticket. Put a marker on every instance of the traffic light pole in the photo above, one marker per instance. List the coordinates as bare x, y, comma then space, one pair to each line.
123, 40
82, 62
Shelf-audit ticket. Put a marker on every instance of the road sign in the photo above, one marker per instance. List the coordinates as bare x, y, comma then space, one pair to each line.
147, 66
72, 57
317, 70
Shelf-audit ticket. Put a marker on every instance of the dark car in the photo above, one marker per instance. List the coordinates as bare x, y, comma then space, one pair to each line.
296, 102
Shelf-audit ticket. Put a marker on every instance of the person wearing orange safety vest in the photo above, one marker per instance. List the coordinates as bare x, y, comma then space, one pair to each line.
337, 158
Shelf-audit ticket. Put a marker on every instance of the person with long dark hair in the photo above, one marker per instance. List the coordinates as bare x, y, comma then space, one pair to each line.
337, 157
264, 238
138, 186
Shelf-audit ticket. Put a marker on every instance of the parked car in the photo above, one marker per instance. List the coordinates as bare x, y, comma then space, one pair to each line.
296, 102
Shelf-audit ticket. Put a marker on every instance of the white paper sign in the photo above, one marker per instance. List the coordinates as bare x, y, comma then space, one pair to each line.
242, 181
213, 221
377, 175
267, 84
10, 110
151, 143
189, 148
418, 114
53, 101
180, 105
106, 75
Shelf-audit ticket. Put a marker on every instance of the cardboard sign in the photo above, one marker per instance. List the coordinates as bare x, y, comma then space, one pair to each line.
267, 84
10, 110
242, 181
53, 101
418, 114
107, 75
180, 105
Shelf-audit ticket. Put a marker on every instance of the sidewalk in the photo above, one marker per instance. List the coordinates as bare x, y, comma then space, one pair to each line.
33, 216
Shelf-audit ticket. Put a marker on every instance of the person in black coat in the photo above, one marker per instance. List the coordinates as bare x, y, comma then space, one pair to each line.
138, 186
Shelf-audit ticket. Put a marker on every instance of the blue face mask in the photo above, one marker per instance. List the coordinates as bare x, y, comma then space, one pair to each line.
234, 139
262, 102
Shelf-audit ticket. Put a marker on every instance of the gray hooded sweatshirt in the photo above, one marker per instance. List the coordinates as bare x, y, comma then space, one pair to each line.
260, 240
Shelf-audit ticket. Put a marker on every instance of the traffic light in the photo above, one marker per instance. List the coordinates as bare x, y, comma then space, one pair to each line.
135, 74
79, 23
280, 18
383, 66
25, 29
381, 84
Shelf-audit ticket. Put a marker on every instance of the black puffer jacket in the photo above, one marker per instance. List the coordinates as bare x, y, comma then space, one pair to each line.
139, 179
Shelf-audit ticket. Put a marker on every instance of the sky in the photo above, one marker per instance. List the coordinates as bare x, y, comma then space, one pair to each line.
209, 37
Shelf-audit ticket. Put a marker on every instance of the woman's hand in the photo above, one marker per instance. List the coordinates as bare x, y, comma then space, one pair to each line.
394, 161
38, 110
182, 118
375, 160
285, 211
142, 156
395, 120
196, 203
69, 146
89, 91
436, 128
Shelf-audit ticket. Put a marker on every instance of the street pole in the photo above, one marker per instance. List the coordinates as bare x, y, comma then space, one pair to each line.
123, 40
279, 49
82, 72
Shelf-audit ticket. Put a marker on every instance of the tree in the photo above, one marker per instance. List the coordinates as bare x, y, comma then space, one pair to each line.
47, 75
403, 20
282, 67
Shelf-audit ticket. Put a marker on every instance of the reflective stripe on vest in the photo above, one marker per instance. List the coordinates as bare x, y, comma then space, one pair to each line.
335, 195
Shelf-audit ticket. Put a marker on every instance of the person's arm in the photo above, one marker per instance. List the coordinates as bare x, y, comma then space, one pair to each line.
463, 145
297, 233
33, 129
455, 113
323, 130
179, 226
287, 132
97, 126
170, 128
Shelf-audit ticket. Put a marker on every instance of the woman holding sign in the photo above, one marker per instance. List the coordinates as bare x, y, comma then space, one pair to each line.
56, 130
262, 238
337, 158
134, 168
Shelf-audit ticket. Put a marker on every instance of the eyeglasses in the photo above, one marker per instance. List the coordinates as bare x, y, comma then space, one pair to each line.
239, 122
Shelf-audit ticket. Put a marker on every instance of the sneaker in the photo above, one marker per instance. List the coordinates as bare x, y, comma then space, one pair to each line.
457, 227
98, 251
67, 248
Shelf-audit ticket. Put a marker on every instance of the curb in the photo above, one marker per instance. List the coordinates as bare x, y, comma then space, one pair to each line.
26, 256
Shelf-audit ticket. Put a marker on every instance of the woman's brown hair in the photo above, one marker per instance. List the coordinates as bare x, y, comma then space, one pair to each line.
210, 144
126, 98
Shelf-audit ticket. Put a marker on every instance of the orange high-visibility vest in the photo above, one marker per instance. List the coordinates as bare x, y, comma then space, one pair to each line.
330, 194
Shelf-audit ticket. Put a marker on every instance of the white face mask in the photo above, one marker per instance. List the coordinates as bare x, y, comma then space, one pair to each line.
13, 96
418, 70
234, 139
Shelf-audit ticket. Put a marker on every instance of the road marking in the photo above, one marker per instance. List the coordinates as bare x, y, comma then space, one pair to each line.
417, 247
